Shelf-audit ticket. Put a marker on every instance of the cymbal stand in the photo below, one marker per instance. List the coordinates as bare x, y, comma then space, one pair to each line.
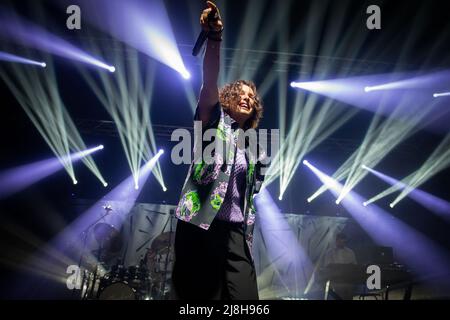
85, 233
166, 263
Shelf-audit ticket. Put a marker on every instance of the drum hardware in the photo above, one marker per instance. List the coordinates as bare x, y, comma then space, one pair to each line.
163, 246
132, 283
163, 287
109, 241
144, 281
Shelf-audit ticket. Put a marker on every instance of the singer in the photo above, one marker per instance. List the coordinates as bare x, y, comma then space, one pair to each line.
216, 214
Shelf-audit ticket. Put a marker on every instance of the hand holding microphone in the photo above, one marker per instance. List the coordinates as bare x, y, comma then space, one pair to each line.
212, 27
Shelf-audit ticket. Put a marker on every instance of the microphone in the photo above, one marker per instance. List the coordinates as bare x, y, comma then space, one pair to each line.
199, 43
203, 34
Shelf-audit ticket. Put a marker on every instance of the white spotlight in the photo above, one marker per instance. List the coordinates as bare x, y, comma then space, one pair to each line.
365, 204
391, 205
305, 162
75, 181
105, 184
136, 187
164, 189
43, 64
442, 94
112, 69
367, 89
101, 147
280, 197
365, 167
186, 75
337, 201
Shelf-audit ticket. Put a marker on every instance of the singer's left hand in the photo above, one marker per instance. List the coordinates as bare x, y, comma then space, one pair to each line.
214, 25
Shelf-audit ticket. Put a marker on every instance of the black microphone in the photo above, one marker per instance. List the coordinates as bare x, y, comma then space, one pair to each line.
199, 43
203, 35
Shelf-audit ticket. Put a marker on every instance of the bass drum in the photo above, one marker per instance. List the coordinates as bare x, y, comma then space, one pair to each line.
118, 291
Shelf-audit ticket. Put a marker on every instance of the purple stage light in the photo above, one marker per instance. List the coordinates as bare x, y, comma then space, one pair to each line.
130, 189
4, 56
390, 180
123, 196
429, 201
186, 75
391, 99
282, 244
146, 27
413, 248
17, 179
34, 36
416, 82
349, 90
443, 94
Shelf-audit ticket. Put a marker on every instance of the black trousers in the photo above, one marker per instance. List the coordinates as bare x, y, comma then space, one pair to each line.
212, 264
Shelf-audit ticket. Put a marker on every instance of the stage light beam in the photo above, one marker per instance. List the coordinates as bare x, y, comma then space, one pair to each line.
443, 94
411, 245
19, 178
186, 75
31, 35
9, 57
148, 28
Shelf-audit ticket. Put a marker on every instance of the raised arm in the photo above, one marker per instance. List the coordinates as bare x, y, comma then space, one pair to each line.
209, 93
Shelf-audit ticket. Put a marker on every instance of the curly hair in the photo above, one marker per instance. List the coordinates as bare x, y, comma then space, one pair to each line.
229, 97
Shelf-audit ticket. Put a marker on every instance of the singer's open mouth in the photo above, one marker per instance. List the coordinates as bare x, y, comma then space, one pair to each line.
244, 106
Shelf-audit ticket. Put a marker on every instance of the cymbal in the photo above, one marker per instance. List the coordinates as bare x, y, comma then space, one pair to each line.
108, 236
163, 241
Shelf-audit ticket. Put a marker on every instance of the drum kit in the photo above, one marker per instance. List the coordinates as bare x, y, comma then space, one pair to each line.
149, 280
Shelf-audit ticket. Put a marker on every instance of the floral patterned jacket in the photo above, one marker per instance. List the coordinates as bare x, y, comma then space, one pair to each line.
206, 184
